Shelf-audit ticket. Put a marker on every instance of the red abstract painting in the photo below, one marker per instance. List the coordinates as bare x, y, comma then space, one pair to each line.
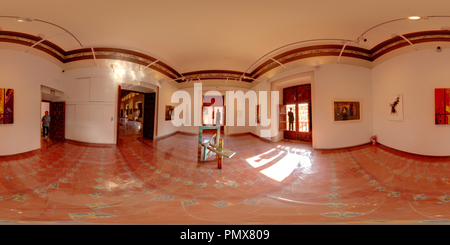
442, 106
6, 106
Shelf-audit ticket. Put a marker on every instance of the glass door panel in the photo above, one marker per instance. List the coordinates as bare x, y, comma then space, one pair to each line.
290, 109
303, 117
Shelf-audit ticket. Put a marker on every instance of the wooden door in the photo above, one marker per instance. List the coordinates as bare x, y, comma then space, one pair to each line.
282, 120
149, 115
58, 121
298, 98
119, 112
304, 112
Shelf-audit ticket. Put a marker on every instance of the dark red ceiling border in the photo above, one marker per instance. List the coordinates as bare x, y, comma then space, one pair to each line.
284, 58
217, 74
121, 54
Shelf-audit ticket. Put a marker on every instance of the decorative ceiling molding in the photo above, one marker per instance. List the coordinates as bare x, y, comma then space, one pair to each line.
216, 74
30, 40
311, 51
121, 54
352, 51
272, 63
416, 37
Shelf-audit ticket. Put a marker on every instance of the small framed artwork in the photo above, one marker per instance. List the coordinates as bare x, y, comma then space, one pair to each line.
442, 106
395, 105
169, 112
6, 106
346, 110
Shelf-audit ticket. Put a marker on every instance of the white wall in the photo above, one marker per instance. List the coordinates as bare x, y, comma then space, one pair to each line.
415, 75
341, 82
194, 129
25, 73
165, 94
265, 87
247, 114
90, 105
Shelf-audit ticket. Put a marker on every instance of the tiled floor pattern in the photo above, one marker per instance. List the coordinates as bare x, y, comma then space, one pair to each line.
160, 182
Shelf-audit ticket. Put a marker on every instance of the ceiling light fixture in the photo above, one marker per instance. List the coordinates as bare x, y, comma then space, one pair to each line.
414, 17
22, 20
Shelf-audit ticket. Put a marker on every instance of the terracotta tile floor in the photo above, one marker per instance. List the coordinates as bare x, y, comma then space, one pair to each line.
160, 182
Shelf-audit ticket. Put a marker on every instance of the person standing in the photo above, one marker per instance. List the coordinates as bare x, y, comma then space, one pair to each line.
218, 118
45, 124
291, 120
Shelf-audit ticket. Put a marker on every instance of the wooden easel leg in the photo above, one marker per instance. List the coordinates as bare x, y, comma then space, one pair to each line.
220, 158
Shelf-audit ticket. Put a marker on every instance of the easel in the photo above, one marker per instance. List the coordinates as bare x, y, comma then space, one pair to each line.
215, 144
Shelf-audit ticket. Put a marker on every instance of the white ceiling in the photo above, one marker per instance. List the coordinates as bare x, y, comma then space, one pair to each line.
199, 35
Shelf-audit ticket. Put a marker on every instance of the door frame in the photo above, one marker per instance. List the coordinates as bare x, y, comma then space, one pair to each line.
40, 119
119, 99
119, 90
295, 101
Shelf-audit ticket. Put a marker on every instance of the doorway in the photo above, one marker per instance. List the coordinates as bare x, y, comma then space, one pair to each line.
136, 111
45, 106
297, 103
57, 130
214, 113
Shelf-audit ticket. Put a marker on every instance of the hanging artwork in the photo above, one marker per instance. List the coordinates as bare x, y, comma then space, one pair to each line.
258, 113
442, 106
169, 112
346, 111
6, 106
395, 107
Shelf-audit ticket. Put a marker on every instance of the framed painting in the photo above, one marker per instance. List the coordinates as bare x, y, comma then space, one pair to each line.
169, 112
395, 107
442, 106
6, 106
346, 110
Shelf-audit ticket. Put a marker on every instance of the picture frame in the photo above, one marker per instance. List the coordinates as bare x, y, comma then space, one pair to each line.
442, 106
346, 110
169, 115
258, 113
6, 106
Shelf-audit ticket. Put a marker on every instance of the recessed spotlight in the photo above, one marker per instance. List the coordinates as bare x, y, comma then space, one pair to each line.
414, 17
21, 20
